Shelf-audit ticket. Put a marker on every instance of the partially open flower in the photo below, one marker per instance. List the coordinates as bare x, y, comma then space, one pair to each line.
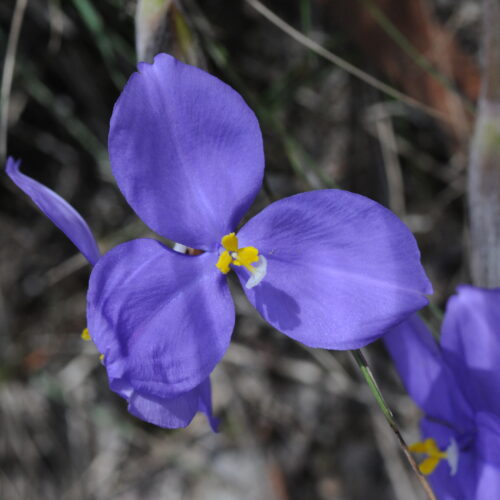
456, 384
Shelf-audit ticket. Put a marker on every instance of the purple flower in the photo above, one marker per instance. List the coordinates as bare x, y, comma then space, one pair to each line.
457, 385
328, 268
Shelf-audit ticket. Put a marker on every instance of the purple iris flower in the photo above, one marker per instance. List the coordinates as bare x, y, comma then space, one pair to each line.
328, 268
457, 385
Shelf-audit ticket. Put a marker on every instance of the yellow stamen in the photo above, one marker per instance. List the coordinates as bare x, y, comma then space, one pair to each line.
86, 335
428, 465
430, 448
230, 242
245, 256
223, 263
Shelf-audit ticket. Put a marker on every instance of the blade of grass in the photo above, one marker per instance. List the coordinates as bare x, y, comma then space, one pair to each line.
360, 360
75, 127
95, 24
8, 74
305, 15
418, 58
342, 63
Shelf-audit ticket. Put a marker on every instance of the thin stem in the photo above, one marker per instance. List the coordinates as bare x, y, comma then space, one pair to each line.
345, 65
418, 58
8, 74
389, 417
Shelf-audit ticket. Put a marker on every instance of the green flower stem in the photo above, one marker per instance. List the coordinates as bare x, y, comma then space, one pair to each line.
374, 388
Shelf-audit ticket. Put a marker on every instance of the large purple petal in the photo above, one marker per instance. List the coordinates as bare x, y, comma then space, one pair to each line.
471, 343
341, 270
427, 378
58, 210
170, 413
186, 151
163, 320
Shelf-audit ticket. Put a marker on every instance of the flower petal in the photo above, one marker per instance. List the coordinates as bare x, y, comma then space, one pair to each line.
478, 473
341, 269
169, 413
58, 210
487, 452
446, 486
162, 319
425, 375
186, 151
488, 482
471, 343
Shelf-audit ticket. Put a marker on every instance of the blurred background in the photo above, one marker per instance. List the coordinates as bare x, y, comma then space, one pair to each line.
296, 423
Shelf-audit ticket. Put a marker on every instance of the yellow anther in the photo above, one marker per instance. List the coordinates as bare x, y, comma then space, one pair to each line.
86, 336
224, 261
430, 448
429, 465
230, 242
245, 256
